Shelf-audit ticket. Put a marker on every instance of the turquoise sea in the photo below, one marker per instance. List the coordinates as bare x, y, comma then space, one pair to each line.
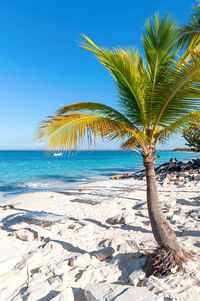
26, 171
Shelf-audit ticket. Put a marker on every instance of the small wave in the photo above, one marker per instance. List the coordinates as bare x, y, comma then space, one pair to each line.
22, 186
11, 190
34, 185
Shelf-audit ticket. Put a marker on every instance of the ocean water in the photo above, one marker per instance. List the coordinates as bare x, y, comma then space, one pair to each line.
27, 171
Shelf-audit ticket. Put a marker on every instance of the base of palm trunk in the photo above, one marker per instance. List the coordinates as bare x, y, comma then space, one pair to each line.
165, 261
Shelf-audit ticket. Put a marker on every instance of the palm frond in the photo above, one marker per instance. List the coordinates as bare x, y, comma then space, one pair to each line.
190, 32
195, 46
69, 131
178, 94
129, 143
177, 126
97, 108
127, 68
159, 40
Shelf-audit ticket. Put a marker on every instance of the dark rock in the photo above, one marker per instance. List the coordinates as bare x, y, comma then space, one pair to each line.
122, 176
6, 207
104, 253
116, 220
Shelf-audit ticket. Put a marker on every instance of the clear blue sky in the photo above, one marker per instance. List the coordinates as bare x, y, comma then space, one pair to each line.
42, 68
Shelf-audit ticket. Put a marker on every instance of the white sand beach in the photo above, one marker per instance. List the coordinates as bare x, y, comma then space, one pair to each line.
57, 262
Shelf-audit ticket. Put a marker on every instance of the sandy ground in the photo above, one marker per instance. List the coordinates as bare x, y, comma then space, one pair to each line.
37, 266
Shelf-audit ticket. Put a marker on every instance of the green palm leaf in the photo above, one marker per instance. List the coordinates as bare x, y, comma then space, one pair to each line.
159, 40
127, 68
178, 94
189, 34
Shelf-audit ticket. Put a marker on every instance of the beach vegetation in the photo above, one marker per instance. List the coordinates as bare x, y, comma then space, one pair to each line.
192, 136
184, 149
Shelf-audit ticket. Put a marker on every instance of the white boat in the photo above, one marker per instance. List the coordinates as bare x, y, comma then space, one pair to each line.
57, 154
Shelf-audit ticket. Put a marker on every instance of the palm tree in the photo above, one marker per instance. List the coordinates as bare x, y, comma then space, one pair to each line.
157, 100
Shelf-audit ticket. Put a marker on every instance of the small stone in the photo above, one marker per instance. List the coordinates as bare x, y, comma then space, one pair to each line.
71, 226
104, 253
136, 276
116, 220
169, 203
82, 260
52, 245
177, 219
55, 281
25, 234
121, 176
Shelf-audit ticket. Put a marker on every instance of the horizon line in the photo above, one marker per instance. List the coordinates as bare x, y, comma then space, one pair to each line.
81, 150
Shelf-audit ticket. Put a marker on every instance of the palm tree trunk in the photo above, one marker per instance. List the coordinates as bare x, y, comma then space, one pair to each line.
161, 229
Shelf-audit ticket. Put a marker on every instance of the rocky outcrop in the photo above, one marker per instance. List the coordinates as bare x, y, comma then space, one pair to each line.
175, 172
